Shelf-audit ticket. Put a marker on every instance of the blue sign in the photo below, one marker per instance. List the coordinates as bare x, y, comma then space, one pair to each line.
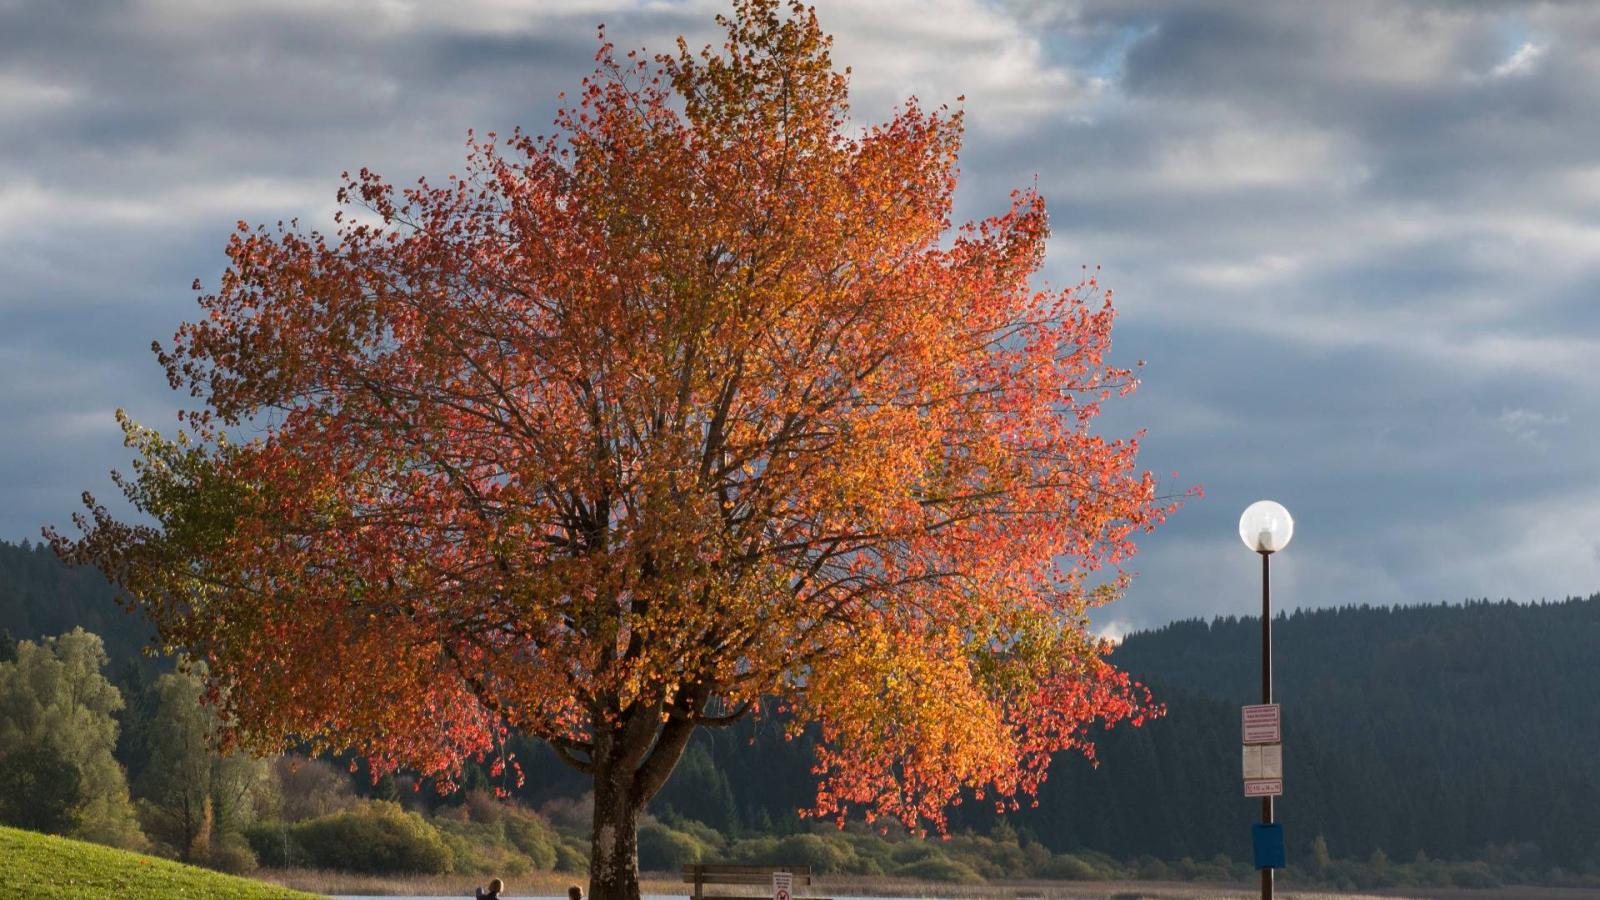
1268, 840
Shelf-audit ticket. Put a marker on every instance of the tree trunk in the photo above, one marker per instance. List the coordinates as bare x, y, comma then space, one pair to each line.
630, 764
614, 845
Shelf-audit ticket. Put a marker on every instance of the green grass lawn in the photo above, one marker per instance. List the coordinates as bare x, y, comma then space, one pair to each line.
42, 865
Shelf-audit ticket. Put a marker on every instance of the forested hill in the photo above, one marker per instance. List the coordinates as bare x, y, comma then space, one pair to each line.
41, 596
1443, 729
1435, 728
1322, 654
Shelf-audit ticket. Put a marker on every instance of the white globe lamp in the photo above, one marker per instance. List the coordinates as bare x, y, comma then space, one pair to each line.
1266, 527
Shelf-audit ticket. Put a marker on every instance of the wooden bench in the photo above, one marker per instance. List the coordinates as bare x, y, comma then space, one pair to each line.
701, 875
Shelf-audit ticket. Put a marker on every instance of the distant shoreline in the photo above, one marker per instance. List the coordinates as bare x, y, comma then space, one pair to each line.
552, 886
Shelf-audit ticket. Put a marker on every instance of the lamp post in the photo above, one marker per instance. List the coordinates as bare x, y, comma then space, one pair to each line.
1266, 528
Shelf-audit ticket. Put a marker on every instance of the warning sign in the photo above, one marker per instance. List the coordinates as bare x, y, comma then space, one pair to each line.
782, 886
1267, 787
1261, 724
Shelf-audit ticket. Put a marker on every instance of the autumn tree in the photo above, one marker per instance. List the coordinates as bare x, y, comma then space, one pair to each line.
699, 404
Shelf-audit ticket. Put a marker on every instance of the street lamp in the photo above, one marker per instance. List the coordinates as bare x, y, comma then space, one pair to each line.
1266, 527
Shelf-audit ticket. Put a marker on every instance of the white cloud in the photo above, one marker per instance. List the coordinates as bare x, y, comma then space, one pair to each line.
1530, 426
1114, 630
1253, 156
1539, 548
1253, 272
21, 95
939, 50
1520, 62
31, 206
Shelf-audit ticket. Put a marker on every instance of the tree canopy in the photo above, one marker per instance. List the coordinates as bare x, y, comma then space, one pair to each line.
57, 734
194, 801
699, 402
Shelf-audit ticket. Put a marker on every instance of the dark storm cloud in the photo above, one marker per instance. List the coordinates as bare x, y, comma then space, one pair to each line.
1358, 242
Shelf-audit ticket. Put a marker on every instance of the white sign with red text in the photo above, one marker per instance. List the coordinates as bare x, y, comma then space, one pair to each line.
1262, 724
1264, 788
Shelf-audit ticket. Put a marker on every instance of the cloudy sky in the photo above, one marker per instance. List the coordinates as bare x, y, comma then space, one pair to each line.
1357, 243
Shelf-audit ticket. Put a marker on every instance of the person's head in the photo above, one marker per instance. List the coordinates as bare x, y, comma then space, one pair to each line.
496, 885
574, 893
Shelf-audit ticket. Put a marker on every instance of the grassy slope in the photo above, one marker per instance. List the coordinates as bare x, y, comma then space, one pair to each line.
41, 865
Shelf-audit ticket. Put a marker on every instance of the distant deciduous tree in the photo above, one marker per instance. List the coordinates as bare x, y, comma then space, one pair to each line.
54, 702
39, 790
698, 403
193, 798
308, 788
1320, 858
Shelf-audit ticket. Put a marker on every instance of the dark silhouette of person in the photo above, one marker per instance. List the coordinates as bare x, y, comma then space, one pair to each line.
493, 893
574, 893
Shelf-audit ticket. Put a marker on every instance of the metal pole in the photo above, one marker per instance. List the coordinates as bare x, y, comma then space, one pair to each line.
1266, 694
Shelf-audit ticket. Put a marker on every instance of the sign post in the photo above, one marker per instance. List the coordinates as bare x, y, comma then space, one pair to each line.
1265, 528
782, 886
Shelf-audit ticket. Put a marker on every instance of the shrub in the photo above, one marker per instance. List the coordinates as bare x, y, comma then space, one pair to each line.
700, 831
913, 851
530, 835
872, 853
753, 850
274, 845
988, 857
663, 849
1151, 869
868, 865
1473, 875
1101, 861
478, 847
231, 852
457, 813
940, 868
1067, 867
825, 856
570, 858
375, 836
